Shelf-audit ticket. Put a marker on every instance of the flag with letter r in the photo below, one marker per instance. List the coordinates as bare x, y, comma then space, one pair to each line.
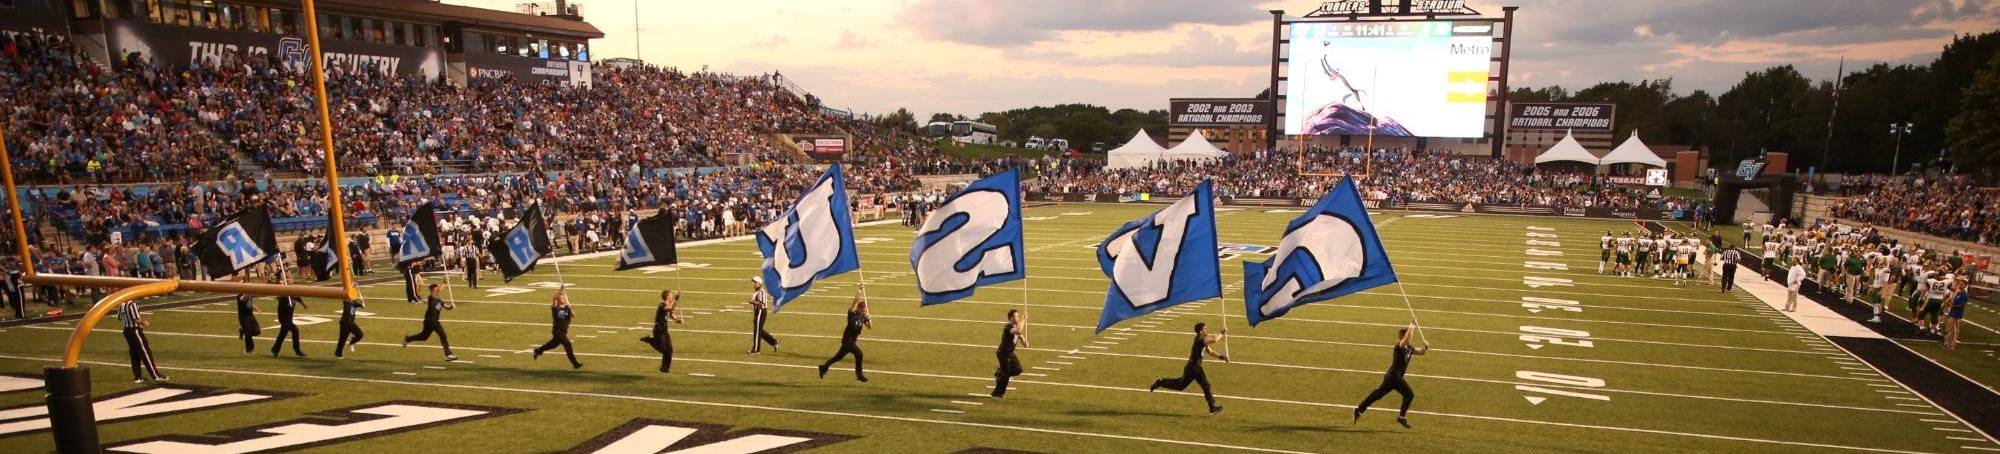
1328, 252
649, 242
1162, 260
813, 240
519, 248
420, 236
233, 245
971, 240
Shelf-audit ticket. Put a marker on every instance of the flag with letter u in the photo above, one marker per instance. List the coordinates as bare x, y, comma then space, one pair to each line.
420, 236
243, 240
519, 248
972, 240
1162, 260
648, 243
1328, 252
813, 240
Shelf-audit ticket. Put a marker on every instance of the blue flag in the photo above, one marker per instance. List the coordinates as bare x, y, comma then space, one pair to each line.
1162, 260
1328, 252
972, 240
814, 240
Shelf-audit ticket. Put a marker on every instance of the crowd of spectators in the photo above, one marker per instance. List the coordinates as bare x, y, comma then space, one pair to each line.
1950, 207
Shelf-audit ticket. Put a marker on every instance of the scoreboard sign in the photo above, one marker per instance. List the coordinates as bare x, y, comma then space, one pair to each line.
1562, 115
1218, 112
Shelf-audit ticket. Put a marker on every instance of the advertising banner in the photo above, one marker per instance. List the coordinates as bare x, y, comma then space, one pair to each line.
497, 66
822, 148
187, 46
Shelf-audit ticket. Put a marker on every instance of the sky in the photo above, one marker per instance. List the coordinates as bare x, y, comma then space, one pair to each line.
973, 56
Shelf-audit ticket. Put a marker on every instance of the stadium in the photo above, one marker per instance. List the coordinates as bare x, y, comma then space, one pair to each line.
423, 227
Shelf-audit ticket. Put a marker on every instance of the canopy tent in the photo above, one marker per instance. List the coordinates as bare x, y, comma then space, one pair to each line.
1566, 150
1196, 147
1141, 151
1633, 151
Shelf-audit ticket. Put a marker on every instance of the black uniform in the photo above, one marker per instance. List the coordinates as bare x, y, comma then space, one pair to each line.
850, 338
559, 334
246, 322
758, 336
347, 328
15, 296
287, 306
661, 341
432, 309
409, 282
1192, 373
1393, 381
1010, 365
136, 344
470, 261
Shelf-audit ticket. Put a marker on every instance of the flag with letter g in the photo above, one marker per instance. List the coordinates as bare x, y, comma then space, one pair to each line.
648, 243
812, 241
972, 240
519, 248
233, 245
1162, 260
1328, 252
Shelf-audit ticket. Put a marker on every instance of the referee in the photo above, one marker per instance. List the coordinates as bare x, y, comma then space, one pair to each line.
1016, 332
850, 337
1393, 380
348, 328
1192, 372
661, 340
760, 310
1729, 259
135, 342
433, 308
560, 315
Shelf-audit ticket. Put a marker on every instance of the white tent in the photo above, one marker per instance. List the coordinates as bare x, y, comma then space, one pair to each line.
1566, 150
1196, 147
1633, 151
1141, 151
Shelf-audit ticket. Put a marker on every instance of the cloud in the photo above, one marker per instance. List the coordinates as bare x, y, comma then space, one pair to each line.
771, 41
1198, 47
851, 40
1015, 23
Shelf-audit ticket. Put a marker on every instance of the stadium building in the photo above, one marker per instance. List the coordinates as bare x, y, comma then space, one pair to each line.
402, 37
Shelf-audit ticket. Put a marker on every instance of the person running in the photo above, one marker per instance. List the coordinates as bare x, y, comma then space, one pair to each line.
348, 328
661, 340
1015, 333
1961, 295
136, 344
1393, 380
560, 314
1192, 372
850, 336
760, 311
433, 308
246, 322
287, 307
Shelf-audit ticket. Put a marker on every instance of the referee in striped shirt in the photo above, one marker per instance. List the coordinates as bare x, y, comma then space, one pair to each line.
135, 341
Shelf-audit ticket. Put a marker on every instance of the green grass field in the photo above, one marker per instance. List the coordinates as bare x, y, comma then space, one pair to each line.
1640, 365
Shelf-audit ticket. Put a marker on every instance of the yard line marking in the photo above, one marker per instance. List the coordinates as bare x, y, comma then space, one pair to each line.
1062, 363
696, 374
1030, 374
1978, 448
1899, 398
1913, 405
1965, 439
1948, 429
1045, 368
489, 356
1890, 391
980, 395
1099, 347
1072, 357
941, 410
961, 402
434, 367
1939, 421
1001, 426
1104, 342
404, 373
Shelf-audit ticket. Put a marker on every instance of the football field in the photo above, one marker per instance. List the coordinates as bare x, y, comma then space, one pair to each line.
1533, 352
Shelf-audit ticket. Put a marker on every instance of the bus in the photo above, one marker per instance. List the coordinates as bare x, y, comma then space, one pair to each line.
967, 131
938, 129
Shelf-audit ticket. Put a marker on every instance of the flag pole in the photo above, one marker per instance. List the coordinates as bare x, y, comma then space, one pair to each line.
1413, 311
1222, 309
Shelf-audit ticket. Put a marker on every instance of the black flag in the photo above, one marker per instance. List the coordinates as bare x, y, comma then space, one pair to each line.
328, 259
519, 248
420, 236
245, 239
650, 242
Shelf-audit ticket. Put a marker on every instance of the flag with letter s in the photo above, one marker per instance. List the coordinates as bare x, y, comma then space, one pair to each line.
972, 240
1330, 251
811, 241
1162, 260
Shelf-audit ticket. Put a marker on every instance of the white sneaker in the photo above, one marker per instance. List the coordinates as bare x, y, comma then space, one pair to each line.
1875, 319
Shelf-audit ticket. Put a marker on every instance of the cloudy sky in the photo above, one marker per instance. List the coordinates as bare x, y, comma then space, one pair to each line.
972, 56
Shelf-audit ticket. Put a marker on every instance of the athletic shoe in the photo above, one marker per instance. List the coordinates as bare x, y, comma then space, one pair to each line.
1155, 387
576, 365
862, 378
135, 380
1212, 411
406, 343
538, 355
1875, 319
274, 353
663, 370
1404, 421
162, 378
1357, 416
822, 371
997, 395
450, 358
774, 346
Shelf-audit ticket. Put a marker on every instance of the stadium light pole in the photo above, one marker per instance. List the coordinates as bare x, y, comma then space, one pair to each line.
1899, 130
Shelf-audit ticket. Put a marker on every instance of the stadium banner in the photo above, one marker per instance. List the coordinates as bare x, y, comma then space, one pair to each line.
1561, 115
1328, 252
173, 45
1205, 113
972, 240
482, 65
1162, 260
822, 148
813, 240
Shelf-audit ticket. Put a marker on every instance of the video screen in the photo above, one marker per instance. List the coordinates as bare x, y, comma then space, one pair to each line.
1413, 79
